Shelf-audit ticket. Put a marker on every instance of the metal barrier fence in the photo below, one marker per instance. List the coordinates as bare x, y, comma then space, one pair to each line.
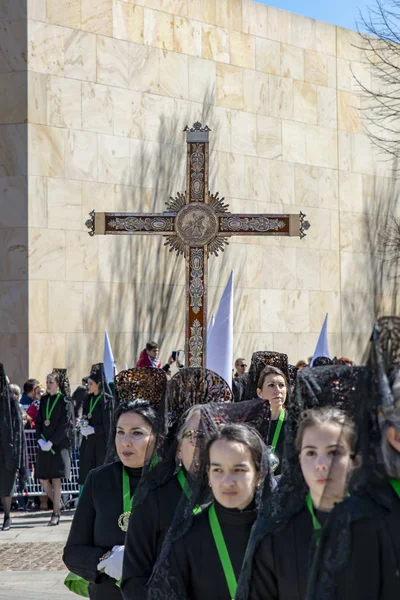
33, 487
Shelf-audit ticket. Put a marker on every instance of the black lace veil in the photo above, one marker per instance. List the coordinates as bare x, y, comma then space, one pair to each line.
12, 436
65, 388
246, 385
98, 375
254, 413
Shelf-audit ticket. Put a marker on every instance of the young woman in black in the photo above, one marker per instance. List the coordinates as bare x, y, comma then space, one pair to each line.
195, 568
325, 444
54, 437
95, 423
95, 545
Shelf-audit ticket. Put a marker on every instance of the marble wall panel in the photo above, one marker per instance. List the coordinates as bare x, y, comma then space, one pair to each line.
66, 13
47, 254
315, 68
79, 55
308, 267
282, 182
307, 185
256, 92
112, 62
344, 146
362, 157
64, 199
83, 350
128, 22
351, 192
158, 29
242, 50
38, 306
46, 48
14, 254
330, 271
13, 150
284, 311
326, 107
215, 41
348, 44
202, 80
244, 133
36, 9
279, 25
113, 159
81, 255
329, 189
176, 7
305, 102
349, 113
15, 347
280, 97
81, 155
303, 32
37, 98
255, 18
229, 15
279, 268
14, 202
128, 114
97, 16
13, 46
249, 307
204, 11
45, 351
37, 201
145, 163
325, 37
49, 162
64, 103
292, 62
230, 87
98, 196
174, 76
98, 107
13, 94
12, 11
257, 178
293, 141
269, 137
187, 36
321, 146
144, 68
268, 56
65, 307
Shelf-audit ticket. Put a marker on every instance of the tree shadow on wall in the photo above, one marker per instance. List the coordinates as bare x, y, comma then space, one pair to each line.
378, 242
143, 292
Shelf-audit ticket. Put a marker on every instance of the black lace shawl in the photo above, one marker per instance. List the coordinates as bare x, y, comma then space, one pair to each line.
12, 435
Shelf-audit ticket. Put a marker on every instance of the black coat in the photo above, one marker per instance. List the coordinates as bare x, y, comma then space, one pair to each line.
371, 567
282, 562
94, 447
195, 568
148, 526
57, 465
95, 529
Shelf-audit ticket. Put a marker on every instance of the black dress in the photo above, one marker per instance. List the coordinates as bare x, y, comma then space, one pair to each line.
196, 572
93, 447
282, 562
279, 450
57, 465
370, 568
148, 526
95, 529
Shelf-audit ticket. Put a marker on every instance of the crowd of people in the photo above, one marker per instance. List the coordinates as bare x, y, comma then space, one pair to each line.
283, 486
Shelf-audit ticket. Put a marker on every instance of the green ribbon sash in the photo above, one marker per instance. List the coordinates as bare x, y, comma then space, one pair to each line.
186, 489
222, 551
395, 483
49, 410
93, 403
281, 418
316, 524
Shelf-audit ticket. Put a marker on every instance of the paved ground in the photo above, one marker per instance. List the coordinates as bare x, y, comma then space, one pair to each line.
30, 558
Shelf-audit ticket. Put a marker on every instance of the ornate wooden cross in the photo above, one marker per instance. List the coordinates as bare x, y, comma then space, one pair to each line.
196, 224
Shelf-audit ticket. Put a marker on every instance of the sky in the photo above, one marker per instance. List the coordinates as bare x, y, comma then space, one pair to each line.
338, 12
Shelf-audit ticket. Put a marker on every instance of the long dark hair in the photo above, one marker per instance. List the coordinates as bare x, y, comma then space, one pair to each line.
139, 407
241, 434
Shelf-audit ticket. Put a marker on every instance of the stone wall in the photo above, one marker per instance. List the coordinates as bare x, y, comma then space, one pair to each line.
111, 85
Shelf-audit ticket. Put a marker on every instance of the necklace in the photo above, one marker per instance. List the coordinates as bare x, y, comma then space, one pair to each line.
316, 524
93, 404
49, 411
123, 519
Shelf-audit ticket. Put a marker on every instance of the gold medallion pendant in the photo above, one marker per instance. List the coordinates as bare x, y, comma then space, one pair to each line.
123, 521
47, 422
89, 416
